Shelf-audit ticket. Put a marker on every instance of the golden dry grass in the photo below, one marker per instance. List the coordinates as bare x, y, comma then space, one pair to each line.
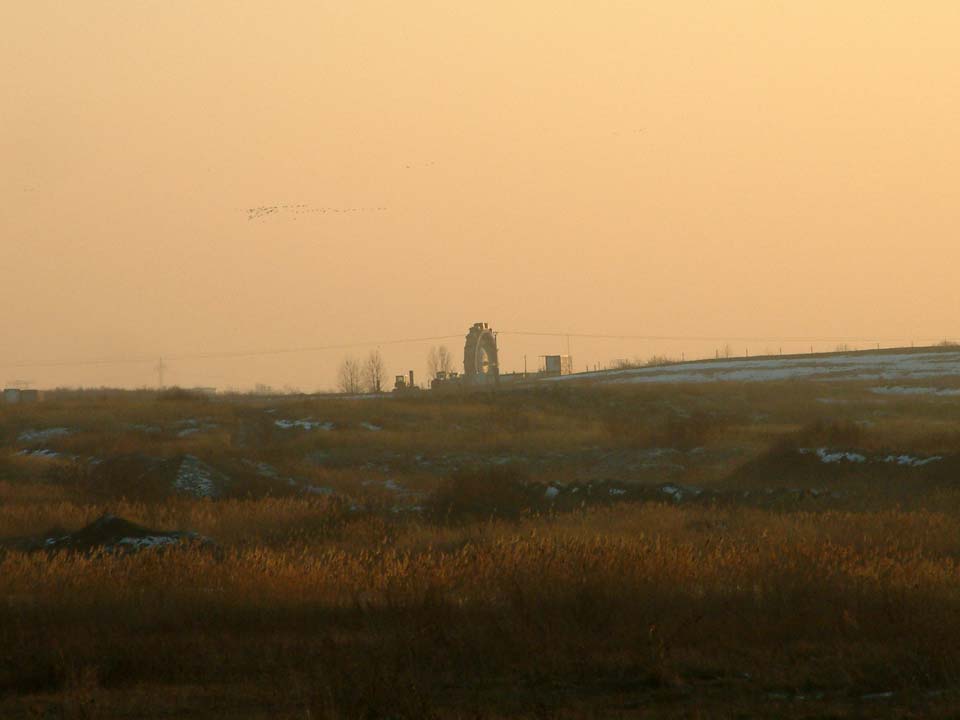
627, 605
311, 609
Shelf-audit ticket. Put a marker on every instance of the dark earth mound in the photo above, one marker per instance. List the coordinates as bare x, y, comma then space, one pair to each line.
835, 468
137, 476
108, 533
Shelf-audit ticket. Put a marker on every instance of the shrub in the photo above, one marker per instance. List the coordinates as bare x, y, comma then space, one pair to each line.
177, 394
480, 493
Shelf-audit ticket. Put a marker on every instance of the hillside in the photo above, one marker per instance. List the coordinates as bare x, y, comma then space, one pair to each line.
910, 364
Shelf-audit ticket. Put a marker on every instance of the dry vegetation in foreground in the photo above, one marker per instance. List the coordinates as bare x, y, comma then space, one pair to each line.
337, 606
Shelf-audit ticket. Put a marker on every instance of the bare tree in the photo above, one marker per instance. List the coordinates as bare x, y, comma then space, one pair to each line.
445, 359
350, 376
374, 371
439, 360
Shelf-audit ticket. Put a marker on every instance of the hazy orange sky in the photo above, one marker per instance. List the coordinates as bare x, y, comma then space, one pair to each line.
723, 169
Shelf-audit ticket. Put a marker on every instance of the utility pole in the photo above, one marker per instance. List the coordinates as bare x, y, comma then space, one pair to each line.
161, 366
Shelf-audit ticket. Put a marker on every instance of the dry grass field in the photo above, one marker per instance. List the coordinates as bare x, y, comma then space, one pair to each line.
784, 549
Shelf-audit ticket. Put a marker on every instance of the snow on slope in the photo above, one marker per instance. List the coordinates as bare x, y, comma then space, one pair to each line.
854, 366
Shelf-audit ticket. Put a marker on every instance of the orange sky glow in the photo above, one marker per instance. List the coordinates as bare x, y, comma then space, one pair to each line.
741, 169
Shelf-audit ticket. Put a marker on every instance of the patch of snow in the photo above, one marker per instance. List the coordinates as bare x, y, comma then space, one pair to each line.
829, 457
151, 429
148, 541
617, 491
305, 424
317, 490
195, 427
902, 390
552, 492
371, 427
852, 366
660, 452
36, 435
195, 477
678, 493
397, 509
263, 469
267, 470
910, 461
44, 453
833, 457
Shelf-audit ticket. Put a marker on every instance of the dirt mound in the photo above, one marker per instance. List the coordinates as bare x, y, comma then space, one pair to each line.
832, 468
507, 492
136, 476
142, 477
108, 533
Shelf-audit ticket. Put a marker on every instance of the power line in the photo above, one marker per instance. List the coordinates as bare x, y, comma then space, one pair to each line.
714, 338
228, 354
78, 363
314, 348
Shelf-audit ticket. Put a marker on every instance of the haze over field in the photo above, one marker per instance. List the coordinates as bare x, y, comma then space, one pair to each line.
737, 169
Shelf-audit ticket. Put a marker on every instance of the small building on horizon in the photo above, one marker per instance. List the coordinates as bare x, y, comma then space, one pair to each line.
15, 396
557, 364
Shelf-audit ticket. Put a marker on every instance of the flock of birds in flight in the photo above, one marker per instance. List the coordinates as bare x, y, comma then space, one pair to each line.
257, 213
